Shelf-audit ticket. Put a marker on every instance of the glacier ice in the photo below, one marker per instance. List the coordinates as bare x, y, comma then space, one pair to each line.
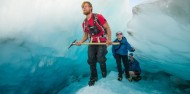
162, 36
35, 34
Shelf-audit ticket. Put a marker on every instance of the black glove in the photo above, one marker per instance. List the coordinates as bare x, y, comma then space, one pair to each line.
133, 49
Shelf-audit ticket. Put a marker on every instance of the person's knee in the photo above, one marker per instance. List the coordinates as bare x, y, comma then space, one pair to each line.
132, 73
101, 59
118, 60
91, 61
101, 55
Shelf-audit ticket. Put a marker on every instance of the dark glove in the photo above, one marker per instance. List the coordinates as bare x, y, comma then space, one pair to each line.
133, 49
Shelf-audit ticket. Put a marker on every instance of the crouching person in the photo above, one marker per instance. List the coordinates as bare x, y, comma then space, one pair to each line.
134, 68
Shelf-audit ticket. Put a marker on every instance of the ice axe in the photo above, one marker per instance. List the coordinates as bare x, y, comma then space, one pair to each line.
88, 43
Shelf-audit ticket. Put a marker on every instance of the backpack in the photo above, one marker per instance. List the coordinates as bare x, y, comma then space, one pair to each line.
95, 20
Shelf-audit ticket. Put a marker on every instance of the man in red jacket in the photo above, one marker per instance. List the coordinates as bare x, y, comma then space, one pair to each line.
97, 29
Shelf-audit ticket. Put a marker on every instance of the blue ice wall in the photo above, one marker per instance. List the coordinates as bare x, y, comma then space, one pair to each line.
160, 31
35, 35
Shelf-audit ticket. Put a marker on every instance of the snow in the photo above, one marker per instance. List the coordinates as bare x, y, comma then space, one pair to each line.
110, 85
158, 83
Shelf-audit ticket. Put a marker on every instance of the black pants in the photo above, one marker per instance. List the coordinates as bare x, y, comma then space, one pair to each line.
97, 53
124, 58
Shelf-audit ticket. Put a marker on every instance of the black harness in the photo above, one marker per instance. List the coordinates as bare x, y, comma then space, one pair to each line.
93, 30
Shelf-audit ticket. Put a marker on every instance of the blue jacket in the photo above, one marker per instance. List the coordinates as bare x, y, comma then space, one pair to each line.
134, 65
123, 50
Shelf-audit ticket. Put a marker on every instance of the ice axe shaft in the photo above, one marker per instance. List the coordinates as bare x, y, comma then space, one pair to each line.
88, 43
113, 43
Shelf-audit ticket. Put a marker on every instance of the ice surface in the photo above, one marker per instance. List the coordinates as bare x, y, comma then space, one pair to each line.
158, 83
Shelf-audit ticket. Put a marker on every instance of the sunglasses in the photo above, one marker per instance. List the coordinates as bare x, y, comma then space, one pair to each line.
119, 34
